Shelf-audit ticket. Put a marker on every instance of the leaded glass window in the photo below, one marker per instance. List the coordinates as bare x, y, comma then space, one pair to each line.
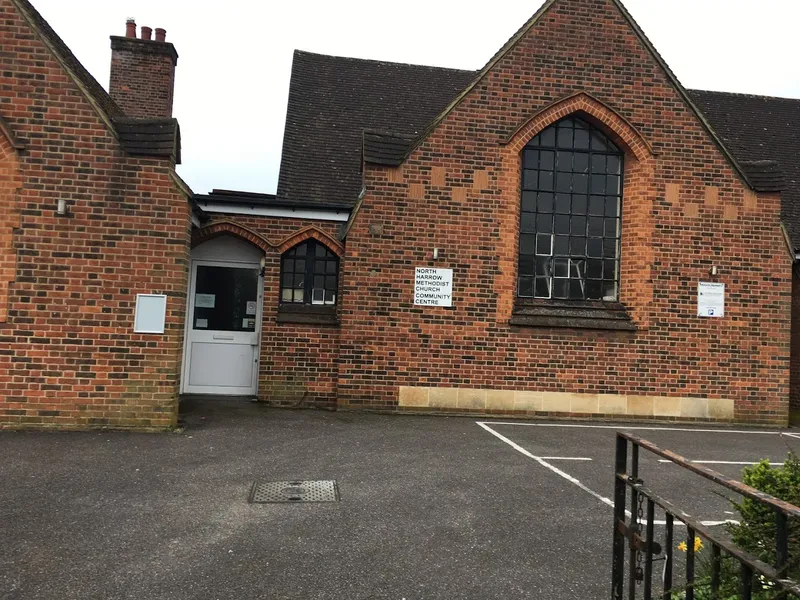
570, 214
309, 274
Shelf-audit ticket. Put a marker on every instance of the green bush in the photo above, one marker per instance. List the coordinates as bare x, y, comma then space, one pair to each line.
755, 533
756, 530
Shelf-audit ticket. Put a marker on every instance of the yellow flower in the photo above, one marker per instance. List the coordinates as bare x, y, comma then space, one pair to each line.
698, 545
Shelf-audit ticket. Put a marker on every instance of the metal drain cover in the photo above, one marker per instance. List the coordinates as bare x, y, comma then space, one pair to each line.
294, 492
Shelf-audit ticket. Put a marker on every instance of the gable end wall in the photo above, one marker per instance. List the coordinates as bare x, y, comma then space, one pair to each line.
69, 357
683, 212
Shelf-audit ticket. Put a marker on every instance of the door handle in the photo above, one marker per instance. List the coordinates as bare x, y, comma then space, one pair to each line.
223, 337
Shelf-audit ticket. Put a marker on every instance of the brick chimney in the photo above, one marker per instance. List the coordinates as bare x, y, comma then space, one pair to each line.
143, 72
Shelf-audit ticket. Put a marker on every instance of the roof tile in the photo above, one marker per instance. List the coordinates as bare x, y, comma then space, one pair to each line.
756, 129
333, 100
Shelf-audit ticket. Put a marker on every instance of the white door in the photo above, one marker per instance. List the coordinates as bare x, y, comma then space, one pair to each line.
223, 328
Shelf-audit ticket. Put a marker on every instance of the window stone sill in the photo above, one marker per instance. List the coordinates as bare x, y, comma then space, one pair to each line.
572, 315
308, 314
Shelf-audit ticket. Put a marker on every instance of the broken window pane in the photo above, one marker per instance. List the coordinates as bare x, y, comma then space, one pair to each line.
576, 171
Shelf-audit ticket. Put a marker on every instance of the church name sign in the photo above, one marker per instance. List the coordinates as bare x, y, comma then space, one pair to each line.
433, 287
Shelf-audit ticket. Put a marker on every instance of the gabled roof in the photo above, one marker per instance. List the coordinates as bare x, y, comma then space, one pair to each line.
520, 34
354, 114
757, 129
333, 100
137, 136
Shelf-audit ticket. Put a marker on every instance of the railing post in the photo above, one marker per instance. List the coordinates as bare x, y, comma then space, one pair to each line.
618, 562
634, 476
781, 545
690, 563
648, 565
781, 542
746, 575
716, 567
668, 558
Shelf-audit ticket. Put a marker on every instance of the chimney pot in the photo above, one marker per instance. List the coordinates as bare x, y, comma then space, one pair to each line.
130, 28
161, 34
147, 33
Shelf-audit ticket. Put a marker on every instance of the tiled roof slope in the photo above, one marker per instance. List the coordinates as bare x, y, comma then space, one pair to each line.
389, 149
761, 128
333, 100
150, 137
340, 108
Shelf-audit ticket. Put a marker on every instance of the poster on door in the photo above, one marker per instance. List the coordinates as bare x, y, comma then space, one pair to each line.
205, 300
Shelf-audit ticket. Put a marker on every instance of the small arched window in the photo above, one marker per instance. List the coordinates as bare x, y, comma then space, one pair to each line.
570, 214
309, 274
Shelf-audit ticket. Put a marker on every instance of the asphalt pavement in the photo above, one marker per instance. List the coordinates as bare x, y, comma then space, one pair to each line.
431, 507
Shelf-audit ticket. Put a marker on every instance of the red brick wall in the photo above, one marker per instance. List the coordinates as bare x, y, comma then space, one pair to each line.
9, 219
68, 354
142, 76
684, 210
295, 358
795, 364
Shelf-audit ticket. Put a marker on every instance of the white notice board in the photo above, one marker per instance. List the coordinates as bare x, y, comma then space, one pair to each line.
151, 312
710, 299
433, 287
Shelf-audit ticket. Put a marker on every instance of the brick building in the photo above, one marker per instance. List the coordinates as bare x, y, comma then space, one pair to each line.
532, 238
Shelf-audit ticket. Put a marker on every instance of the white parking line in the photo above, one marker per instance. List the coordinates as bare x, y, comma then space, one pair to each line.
546, 464
638, 428
543, 461
565, 458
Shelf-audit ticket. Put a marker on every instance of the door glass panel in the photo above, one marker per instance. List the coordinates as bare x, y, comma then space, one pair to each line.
225, 299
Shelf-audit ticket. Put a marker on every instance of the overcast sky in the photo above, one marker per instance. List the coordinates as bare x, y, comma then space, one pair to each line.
232, 79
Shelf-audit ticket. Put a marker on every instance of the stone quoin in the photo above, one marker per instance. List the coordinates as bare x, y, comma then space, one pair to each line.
528, 239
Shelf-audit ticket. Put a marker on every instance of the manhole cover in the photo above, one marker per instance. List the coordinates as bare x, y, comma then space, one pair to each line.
294, 491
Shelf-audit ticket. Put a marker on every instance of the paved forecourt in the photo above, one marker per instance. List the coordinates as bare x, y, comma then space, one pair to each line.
430, 507
583, 455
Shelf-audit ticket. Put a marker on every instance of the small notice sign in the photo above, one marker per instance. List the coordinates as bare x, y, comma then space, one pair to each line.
710, 299
205, 300
433, 287
251, 307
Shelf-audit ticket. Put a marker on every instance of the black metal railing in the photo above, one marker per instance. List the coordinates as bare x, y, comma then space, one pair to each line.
643, 550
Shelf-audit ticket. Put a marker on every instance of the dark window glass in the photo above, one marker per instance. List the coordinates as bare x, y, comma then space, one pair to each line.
225, 298
310, 274
574, 170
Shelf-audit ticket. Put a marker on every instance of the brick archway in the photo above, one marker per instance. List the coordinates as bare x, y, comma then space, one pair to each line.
309, 232
617, 126
231, 228
209, 232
